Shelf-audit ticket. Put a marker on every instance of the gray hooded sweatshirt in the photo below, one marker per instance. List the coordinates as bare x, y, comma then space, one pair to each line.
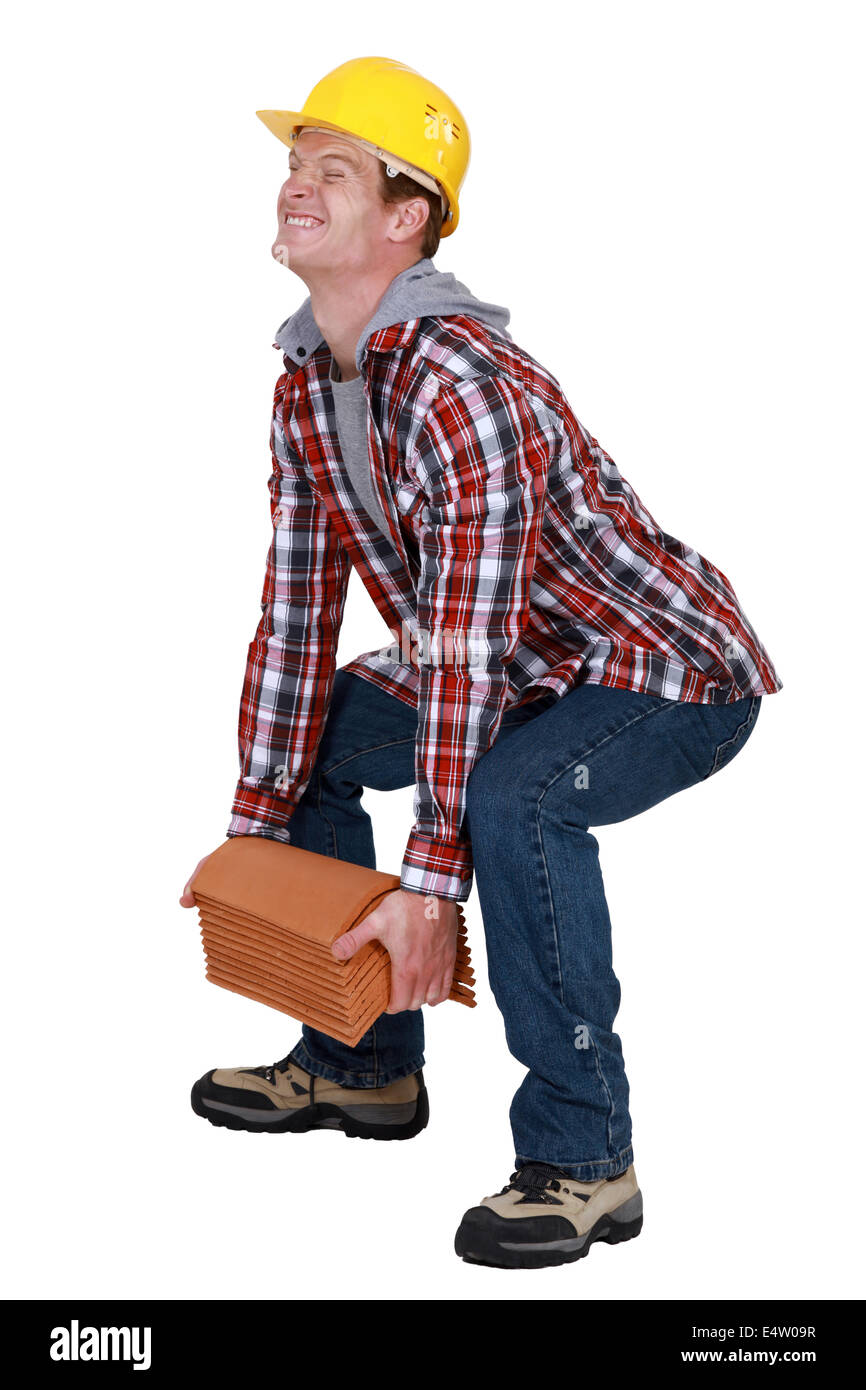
420, 291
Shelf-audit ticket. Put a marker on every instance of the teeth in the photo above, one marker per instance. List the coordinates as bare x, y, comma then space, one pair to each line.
302, 221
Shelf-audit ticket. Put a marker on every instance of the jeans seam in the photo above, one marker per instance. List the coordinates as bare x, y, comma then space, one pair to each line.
611, 1107
328, 823
599, 1071
362, 753
307, 1062
551, 914
747, 722
626, 1157
645, 714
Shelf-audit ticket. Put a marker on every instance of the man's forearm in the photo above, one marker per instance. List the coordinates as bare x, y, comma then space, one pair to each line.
292, 659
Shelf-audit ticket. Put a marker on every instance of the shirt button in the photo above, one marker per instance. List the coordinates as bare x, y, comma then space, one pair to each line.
302, 352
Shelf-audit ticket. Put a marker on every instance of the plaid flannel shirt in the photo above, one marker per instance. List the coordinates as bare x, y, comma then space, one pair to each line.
520, 562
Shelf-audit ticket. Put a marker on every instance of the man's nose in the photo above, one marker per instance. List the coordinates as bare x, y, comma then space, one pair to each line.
299, 181
295, 190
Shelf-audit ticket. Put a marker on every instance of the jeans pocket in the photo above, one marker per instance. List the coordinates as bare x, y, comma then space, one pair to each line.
731, 746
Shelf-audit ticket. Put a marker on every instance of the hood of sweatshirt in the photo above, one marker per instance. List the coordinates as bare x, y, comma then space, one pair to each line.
420, 291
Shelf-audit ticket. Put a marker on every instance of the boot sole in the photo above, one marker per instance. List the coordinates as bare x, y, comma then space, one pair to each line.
315, 1116
482, 1240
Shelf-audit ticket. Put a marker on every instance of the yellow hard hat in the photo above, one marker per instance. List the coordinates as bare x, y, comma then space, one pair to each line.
392, 111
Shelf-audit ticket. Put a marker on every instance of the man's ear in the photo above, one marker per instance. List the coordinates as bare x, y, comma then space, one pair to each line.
413, 214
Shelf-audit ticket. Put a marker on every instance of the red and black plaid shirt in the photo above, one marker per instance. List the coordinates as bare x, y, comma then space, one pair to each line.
520, 561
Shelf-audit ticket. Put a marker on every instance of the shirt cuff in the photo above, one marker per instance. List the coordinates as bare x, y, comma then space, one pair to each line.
260, 813
440, 868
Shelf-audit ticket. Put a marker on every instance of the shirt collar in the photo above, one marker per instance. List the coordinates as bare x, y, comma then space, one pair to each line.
299, 336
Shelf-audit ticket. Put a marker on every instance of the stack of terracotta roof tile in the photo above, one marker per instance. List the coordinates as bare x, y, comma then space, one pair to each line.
269, 915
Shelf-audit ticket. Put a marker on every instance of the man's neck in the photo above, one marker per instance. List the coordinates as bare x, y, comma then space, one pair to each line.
342, 305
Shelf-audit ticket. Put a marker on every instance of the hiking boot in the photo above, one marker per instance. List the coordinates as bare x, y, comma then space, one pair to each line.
283, 1097
544, 1217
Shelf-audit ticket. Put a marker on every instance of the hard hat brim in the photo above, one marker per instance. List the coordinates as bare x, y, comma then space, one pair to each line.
282, 123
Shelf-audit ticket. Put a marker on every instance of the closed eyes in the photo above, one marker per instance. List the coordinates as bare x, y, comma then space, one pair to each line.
329, 174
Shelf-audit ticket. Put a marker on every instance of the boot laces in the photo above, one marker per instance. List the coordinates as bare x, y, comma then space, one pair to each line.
536, 1182
269, 1072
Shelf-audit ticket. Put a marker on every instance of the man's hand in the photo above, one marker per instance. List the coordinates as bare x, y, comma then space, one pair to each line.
186, 897
420, 935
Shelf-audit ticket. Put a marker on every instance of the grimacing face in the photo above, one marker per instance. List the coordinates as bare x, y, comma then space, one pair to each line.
330, 212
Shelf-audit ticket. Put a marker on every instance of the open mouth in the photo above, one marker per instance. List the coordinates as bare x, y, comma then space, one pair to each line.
294, 220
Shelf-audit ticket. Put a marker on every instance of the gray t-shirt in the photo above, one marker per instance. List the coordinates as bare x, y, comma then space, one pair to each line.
351, 409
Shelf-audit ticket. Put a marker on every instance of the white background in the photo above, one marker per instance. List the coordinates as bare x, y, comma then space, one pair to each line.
668, 199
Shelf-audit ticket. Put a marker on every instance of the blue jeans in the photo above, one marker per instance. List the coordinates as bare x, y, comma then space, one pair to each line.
557, 766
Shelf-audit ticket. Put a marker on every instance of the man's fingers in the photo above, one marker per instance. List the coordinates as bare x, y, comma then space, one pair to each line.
412, 990
404, 989
440, 991
351, 941
186, 897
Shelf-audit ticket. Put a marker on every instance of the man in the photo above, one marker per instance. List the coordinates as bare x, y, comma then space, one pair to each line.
558, 661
